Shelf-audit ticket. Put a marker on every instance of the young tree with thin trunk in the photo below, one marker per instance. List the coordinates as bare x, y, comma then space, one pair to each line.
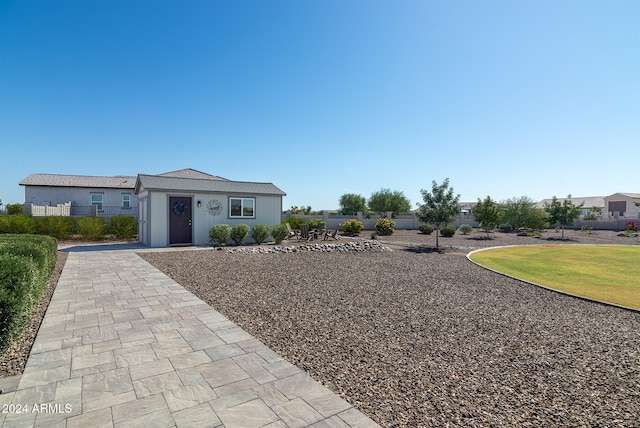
487, 213
440, 206
564, 213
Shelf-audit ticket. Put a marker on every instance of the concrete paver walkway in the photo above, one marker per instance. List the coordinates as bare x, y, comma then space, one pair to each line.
124, 345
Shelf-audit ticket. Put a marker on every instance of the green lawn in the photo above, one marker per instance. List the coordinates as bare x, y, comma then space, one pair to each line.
606, 273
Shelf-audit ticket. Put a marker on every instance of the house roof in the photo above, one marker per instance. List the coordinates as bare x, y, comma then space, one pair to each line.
58, 180
628, 195
179, 184
588, 202
191, 173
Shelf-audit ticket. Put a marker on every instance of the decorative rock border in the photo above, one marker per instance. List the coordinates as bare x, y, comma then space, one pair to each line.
354, 246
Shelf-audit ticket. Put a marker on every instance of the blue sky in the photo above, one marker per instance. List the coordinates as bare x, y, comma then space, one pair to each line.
505, 98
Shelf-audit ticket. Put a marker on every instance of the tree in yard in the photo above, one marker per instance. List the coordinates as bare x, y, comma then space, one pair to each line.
351, 203
385, 200
564, 213
440, 206
487, 213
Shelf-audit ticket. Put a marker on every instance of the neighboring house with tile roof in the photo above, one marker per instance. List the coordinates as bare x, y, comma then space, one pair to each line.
88, 195
623, 205
176, 209
588, 203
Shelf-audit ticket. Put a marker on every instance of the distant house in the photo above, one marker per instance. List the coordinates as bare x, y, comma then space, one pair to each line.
622, 205
179, 208
87, 195
618, 205
588, 203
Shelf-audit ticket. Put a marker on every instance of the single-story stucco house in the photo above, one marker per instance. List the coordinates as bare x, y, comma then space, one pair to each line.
174, 209
86, 195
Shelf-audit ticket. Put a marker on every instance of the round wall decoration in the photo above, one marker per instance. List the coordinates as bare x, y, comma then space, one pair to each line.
180, 208
214, 207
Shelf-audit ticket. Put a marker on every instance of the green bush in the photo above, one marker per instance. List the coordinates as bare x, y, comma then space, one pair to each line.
260, 233
385, 226
465, 229
448, 231
14, 209
279, 232
18, 279
43, 250
295, 222
505, 227
425, 228
239, 233
220, 234
20, 223
123, 227
26, 263
316, 223
352, 227
91, 227
60, 227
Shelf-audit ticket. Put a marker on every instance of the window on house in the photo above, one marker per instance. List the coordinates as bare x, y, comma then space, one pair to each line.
96, 199
242, 207
126, 200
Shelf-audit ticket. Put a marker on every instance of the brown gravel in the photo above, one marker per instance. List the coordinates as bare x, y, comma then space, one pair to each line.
419, 338
14, 359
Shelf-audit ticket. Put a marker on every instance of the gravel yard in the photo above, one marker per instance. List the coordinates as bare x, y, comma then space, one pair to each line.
413, 337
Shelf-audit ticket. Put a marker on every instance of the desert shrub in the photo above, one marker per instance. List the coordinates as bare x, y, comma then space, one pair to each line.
465, 229
20, 223
448, 231
295, 222
352, 227
60, 227
505, 227
260, 233
425, 228
279, 232
316, 223
91, 227
385, 226
239, 233
123, 227
220, 234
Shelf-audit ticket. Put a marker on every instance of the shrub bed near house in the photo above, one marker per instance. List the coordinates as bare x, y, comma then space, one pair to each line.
279, 232
219, 234
26, 263
239, 233
260, 233
60, 227
20, 223
123, 227
91, 227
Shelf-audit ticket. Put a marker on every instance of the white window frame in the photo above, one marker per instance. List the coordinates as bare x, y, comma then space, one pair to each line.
126, 201
242, 207
98, 204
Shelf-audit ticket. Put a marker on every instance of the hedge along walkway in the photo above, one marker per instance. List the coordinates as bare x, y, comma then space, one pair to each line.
605, 274
124, 345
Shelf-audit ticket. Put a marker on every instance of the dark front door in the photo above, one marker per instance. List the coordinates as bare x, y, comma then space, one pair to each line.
180, 210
